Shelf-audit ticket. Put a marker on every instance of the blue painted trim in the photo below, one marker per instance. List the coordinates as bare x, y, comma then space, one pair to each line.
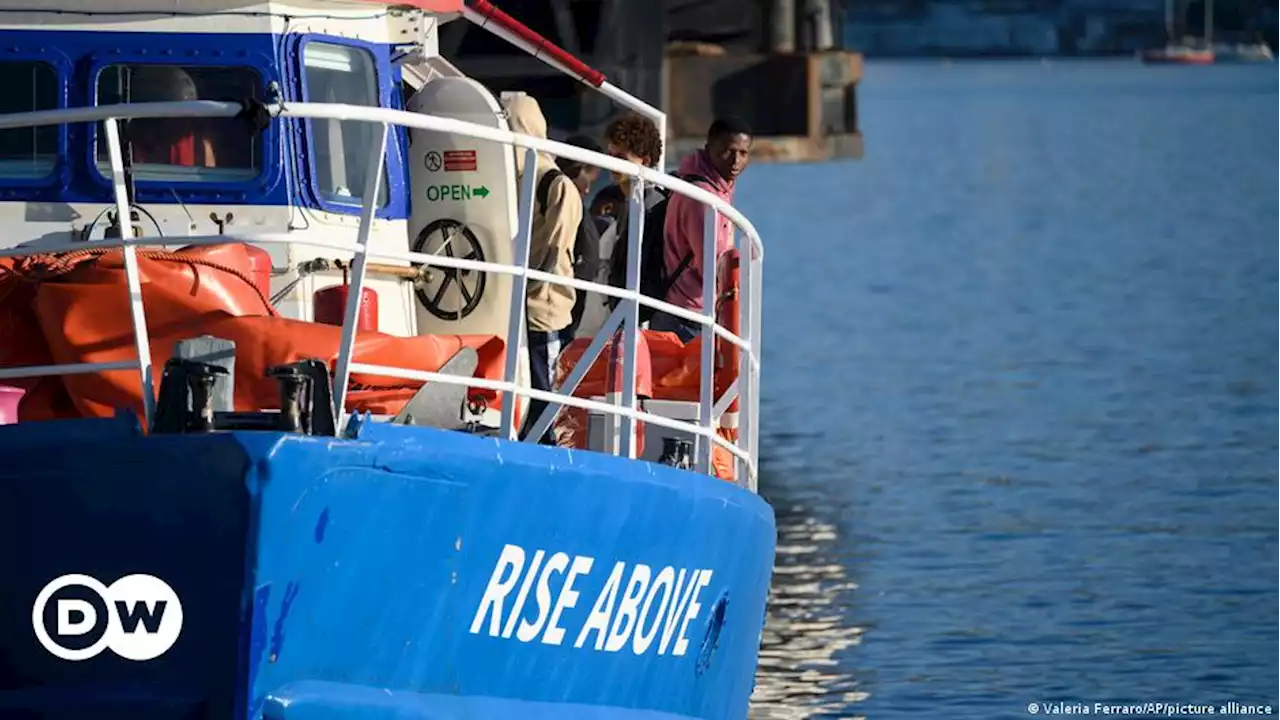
79, 56
394, 171
401, 137
18, 51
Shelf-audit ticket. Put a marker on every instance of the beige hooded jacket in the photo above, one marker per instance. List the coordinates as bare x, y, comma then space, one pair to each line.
555, 230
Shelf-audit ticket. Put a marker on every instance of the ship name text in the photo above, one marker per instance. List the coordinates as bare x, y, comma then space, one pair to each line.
641, 609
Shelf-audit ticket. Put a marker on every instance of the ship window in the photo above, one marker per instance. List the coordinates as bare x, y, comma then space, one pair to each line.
341, 148
29, 152
183, 149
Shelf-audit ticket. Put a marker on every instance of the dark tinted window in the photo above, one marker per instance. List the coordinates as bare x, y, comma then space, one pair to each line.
183, 149
28, 152
341, 148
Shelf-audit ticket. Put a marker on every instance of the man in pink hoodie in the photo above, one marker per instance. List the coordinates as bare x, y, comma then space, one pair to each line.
717, 165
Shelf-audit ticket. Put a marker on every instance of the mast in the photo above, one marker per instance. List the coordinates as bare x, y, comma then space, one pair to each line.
1208, 23
1168, 20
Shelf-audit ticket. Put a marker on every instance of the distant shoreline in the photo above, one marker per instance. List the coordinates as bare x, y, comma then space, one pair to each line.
993, 55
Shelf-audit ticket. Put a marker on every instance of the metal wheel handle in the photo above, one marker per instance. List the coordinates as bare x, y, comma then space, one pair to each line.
452, 239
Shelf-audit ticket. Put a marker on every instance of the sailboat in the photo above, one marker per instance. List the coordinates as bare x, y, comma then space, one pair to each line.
1244, 52
1256, 52
1188, 51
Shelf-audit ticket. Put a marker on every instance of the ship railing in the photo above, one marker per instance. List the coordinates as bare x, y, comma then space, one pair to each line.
624, 319
484, 15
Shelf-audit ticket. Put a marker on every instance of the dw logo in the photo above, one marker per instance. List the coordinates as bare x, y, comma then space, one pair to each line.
75, 617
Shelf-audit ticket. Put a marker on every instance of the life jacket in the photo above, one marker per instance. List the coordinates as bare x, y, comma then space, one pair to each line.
183, 152
654, 280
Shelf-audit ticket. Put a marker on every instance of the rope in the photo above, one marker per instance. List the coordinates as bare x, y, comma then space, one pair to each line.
42, 268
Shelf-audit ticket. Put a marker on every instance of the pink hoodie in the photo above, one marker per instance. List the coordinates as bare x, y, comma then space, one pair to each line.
686, 218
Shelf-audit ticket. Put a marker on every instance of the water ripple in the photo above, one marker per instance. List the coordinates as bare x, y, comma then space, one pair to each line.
1020, 406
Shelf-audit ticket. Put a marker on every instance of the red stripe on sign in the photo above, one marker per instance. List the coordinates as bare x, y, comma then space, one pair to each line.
459, 160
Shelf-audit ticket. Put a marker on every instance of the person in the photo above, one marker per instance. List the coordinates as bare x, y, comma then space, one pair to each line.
717, 167
583, 175
607, 201
633, 138
636, 139
549, 306
174, 141
587, 250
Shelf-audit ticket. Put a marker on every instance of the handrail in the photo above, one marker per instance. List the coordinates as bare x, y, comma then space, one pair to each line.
269, 238
482, 12
744, 389
332, 111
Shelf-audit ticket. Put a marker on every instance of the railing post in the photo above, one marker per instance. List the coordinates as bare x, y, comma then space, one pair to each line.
141, 340
585, 361
631, 316
757, 293
355, 290
519, 286
746, 368
707, 371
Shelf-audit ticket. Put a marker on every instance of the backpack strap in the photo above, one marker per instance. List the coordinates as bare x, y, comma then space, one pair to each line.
541, 196
670, 282
544, 188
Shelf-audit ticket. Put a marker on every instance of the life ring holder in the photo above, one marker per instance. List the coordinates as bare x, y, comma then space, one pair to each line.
470, 284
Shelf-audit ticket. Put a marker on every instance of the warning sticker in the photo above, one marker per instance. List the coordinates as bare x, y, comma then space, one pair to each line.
459, 160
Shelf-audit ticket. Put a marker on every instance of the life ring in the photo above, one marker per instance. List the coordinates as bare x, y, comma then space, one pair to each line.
728, 355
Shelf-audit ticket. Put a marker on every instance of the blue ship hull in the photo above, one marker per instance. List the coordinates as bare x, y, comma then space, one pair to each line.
406, 573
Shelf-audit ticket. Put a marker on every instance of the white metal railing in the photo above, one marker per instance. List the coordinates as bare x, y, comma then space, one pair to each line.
745, 389
606, 88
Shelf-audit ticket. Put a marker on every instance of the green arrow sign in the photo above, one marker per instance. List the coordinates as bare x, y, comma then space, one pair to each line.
437, 193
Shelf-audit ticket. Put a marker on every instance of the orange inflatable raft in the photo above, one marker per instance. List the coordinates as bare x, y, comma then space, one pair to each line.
74, 308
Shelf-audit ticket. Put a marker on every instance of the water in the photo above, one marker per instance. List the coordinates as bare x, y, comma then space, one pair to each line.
1021, 417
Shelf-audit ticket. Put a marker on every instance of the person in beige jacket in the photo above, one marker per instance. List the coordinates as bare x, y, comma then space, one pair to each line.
549, 307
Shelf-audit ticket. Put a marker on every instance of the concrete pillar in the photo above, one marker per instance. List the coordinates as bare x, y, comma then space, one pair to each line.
783, 26
819, 12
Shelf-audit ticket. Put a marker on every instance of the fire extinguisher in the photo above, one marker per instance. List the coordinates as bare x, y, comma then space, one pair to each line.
328, 305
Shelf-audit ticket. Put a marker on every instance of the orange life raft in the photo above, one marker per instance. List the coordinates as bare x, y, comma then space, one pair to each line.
74, 308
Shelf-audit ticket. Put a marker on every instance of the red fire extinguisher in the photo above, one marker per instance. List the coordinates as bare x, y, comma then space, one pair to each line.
329, 303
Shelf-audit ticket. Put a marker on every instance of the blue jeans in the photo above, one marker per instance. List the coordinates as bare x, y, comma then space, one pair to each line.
544, 350
683, 329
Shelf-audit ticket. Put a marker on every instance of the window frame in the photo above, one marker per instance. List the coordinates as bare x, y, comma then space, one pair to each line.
392, 168
60, 175
214, 191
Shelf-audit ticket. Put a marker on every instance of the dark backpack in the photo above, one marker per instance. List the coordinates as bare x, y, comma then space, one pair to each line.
654, 281
586, 248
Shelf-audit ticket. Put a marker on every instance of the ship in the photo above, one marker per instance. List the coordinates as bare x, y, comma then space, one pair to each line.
1258, 52
265, 409
1188, 51
1178, 54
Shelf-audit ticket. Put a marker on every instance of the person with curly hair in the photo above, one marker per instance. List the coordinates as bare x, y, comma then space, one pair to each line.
633, 138
636, 139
